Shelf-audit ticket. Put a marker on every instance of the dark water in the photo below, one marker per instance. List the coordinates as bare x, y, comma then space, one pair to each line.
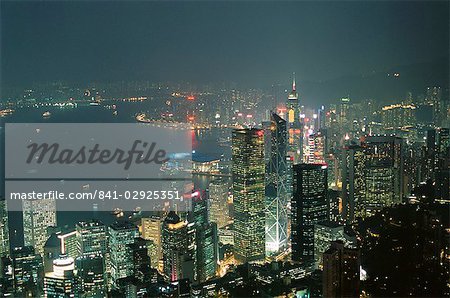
204, 142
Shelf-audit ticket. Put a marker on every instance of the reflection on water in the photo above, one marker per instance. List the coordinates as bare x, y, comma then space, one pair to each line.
205, 141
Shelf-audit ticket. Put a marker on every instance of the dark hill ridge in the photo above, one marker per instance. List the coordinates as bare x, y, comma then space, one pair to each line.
382, 86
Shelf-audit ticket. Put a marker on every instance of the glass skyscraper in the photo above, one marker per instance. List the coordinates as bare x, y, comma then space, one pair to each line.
309, 207
248, 173
276, 184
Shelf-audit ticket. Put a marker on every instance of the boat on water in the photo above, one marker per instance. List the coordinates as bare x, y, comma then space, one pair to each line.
142, 117
6, 112
46, 114
117, 212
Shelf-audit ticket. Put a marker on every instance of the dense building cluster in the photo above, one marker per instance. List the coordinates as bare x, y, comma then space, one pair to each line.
340, 201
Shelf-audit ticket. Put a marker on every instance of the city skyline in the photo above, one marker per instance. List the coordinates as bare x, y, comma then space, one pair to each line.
291, 149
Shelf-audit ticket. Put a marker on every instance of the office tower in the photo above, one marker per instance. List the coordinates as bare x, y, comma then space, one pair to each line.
28, 271
69, 242
276, 185
336, 206
248, 194
91, 275
91, 237
6, 277
433, 98
353, 182
52, 251
151, 228
309, 207
442, 175
316, 148
179, 248
37, 216
443, 148
327, 232
341, 271
61, 281
344, 107
207, 251
384, 172
120, 235
294, 125
431, 158
4, 229
206, 237
398, 117
139, 257
218, 198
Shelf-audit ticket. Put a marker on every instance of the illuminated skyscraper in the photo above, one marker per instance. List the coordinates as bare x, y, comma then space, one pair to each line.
151, 228
206, 237
218, 198
91, 238
384, 172
207, 251
37, 216
179, 248
294, 126
327, 232
316, 148
276, 182
309, 207
28, 272
91, 275
353, 182
248, 194
4, 229
61, 281
69, 243
120, 235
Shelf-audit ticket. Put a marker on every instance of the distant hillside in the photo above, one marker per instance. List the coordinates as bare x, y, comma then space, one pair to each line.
380, 86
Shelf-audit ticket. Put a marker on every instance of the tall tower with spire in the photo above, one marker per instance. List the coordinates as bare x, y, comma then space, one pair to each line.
294, 125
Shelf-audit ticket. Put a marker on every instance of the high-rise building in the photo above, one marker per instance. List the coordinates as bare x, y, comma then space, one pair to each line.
218, 198
248, 173
309, 207
327, 232
206, 237
69, 242
151, 230
207, 251
91, 275
61, 281
276, 184
316, 148
353, 182
4, 229
91, 238
27, 272
179, 248
140, 258
52, 251
431, 155
341, 271
384, 172
120, 235
344, 117
37, 216
398, 116
294, 125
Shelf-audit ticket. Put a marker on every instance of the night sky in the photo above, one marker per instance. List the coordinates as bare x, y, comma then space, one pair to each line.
248, 42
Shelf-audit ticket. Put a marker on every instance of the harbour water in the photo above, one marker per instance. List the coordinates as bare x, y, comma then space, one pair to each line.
205, 141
